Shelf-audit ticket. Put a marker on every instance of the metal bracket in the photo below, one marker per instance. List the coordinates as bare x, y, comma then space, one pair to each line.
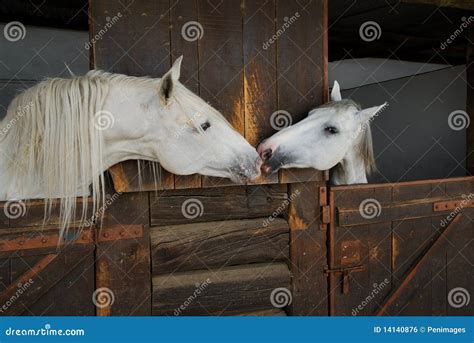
345, 275
452, 204
325, 209
119, 232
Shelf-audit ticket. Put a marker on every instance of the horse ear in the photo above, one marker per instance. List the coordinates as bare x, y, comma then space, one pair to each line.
365, 114
169, 79
336, 92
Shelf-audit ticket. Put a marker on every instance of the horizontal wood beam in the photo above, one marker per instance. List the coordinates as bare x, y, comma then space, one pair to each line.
463, 4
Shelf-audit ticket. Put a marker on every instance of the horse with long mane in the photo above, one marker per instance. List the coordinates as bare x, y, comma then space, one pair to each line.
59, 136
335, 135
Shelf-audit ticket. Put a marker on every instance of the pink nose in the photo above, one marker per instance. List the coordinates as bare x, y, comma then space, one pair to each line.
266, 169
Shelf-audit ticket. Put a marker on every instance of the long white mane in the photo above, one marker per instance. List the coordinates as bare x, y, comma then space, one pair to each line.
50, 137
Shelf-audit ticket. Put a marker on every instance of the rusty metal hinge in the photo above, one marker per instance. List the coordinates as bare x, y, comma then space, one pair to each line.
344, 271
120, 232
325, 209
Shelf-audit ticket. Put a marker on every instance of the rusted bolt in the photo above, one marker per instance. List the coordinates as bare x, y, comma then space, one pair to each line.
44, 240
106, 234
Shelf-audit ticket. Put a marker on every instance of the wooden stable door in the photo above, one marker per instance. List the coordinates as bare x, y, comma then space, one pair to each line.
402, 249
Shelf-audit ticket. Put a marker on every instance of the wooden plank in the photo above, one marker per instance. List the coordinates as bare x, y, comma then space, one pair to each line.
123, 272
182, 12
270, 312
308, 251
300, 66
226, 203
231, 290
220, 49
125, 209
138, 45
470, 99
41, 278
459, 266
464, 4
179, 248
260, 84
400, 295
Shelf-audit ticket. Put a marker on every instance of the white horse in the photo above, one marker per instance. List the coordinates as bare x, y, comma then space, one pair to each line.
335, 135
59, 136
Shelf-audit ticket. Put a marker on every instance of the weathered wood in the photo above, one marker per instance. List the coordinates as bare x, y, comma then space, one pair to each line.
231, 290
139, 45
123, 270
470, 99
168, 208
260, 79
182, 12
464, 4
41, 283
271, 312
179, 248
308, 251
300, 66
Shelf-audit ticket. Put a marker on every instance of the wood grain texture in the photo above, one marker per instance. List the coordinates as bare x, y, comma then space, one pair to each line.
308, 251
231, 290
470, 100
225, 203
123, 266
213, 245
300, 67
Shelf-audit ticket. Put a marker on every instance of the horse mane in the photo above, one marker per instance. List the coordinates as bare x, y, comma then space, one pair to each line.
366, 150
49, 131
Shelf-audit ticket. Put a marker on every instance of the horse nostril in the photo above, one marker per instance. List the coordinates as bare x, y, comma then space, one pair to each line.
266, 154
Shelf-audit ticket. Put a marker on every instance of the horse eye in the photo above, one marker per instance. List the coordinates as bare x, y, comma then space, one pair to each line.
331, 130
205, 126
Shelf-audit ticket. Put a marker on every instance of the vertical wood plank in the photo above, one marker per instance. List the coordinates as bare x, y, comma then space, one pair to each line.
182, 12
307, 251
260, 84
470, 100
301, 74
137, 44
221, 64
